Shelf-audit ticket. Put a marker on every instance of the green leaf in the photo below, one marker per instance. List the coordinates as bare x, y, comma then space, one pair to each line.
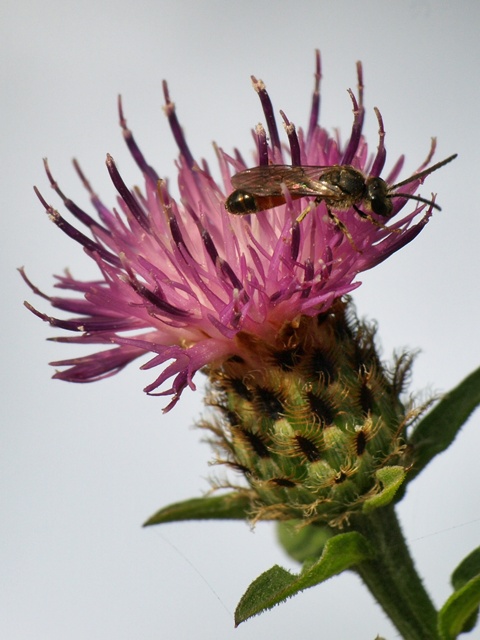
301, 541
391, 478
231, 506
456, 614
469, 568
341, 552
439, 428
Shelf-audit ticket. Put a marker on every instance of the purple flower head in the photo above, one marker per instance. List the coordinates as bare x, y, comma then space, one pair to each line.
181, 279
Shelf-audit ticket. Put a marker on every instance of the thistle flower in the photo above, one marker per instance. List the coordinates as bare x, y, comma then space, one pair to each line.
303, 407
189, 283
307, 412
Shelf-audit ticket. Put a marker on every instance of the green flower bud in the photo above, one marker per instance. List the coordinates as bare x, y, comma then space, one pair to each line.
310, 422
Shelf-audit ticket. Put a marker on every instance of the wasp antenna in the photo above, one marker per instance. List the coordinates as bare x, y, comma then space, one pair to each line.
425, 172
408, 196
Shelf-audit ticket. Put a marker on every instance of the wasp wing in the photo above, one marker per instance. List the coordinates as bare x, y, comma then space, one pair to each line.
267, 180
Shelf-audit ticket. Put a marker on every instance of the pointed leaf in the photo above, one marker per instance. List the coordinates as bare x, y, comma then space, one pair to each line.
341, 552
457, 612
231, 506
438, 429
469, 568
391, 479
302, 541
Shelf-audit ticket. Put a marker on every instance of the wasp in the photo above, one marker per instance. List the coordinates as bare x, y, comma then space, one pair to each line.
341, 187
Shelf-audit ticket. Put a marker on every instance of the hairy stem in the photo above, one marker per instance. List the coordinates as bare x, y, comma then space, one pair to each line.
392, 578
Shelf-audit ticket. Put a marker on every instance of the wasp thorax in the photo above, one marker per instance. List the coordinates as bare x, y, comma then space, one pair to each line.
377, 197
350, 181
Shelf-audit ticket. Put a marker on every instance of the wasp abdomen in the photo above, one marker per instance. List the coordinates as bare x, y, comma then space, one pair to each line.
242, 202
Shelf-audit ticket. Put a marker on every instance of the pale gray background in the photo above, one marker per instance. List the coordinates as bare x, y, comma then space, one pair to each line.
83, 465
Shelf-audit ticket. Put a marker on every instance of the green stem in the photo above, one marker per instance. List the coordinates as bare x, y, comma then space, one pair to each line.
392, 578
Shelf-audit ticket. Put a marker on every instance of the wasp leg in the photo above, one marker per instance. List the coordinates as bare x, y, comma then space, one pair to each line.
338, 223
307, 209
366, 216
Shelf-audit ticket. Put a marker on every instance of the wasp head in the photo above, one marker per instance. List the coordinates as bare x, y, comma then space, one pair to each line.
377, 197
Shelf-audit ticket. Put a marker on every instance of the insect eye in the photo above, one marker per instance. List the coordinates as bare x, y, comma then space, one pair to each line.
378, 198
